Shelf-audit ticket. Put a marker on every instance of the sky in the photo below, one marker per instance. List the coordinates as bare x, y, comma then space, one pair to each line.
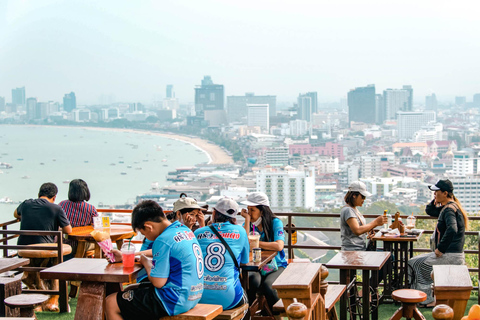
133, 49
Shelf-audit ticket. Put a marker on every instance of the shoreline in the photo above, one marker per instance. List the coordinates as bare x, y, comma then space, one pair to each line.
214, 153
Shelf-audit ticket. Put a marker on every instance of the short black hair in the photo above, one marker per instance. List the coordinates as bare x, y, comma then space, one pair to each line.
147, 210
78, 191
48, 190
220, 217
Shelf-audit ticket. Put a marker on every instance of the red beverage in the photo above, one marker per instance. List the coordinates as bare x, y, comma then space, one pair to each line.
128, 259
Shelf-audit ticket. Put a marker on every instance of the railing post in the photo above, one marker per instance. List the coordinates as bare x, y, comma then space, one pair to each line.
5, 251
290, 234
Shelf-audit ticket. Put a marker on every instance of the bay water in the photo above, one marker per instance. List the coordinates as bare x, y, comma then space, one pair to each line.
117, 165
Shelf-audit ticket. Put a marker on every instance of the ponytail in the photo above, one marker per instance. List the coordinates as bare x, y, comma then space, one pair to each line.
464, 213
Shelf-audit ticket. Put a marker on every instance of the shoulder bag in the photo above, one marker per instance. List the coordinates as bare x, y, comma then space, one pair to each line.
371, 244
219, 236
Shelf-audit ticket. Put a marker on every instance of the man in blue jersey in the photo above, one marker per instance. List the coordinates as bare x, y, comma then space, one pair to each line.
175, 273
222, 283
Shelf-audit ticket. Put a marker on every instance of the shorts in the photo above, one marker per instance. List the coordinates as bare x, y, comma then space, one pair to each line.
141, 303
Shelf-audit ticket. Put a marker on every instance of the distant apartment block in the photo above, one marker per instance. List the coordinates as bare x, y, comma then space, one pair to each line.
329, 149
298, 127
327, 165
170, 104
395, 100
81, 115
397, 171
277, 156
18, 96
467, 190
465, 163
382, 187
32, 109
415, 147
208, 96
258, 116
460, 101
307, 105
441, 146
69, 102
237, 105
431, 132
410, 122
2, 104
289, 188
476, 100
362, 104
169, 91
431, 102
370, 166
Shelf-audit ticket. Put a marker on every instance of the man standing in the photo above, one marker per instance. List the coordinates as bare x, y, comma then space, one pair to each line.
42, 214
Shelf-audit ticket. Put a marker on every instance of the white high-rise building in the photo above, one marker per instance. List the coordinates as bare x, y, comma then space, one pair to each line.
278, 156
430, 132
298, 127
327, 165
288, 189
395, 100
465, 163
410, 122
258, 116
467, 191
370, 166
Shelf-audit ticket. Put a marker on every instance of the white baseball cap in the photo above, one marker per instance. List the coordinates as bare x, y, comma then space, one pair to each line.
227, 206
359, 186
257, 199
184, 203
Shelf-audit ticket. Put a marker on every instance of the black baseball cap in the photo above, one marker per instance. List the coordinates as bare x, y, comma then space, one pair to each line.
444, 185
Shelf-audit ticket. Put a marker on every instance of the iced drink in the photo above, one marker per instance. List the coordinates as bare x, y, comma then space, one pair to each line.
128, 255
254, 240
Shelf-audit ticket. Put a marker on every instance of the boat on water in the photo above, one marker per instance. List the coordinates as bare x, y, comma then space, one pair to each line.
6, 200
4, 165
123, 173
164, 160
20, 159
26, 177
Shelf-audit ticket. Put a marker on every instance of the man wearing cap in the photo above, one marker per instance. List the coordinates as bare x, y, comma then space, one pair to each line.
449, 237
188, 212
221, 276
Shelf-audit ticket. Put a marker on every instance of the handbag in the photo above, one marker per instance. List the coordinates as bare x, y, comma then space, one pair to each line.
269, 267
219, 236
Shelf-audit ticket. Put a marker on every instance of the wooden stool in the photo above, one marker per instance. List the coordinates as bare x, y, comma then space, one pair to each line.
41, 258
199, 312
26, 303
9, 286
409, 299
233, 314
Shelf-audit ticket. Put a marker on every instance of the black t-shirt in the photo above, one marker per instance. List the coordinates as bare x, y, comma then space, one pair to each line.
40, 214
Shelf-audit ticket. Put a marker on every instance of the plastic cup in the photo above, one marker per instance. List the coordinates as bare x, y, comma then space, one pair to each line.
128, 255
254, 240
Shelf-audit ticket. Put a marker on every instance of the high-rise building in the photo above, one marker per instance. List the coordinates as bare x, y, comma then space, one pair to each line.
465, 163
395, 100
379, 109
361, 104
208, 96
298, 127
409, 89
307, 105
31, 108
258, 116
237, 105
467, 191
2, 104
431, 102
476, 100
18, 96
170, 93
69, 102
288, 189
460, 101
370, 166
410, 122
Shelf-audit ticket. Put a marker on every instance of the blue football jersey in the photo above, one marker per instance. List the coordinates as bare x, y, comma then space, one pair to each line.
177, 256
142, 274
278, 234
221, 278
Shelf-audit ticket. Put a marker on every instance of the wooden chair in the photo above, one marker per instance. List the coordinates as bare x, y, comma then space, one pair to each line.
409, 299
199, 312
26, 303
50, 252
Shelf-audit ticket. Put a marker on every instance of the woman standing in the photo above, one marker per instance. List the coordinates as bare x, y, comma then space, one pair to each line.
272, 237
449, 237
353, 226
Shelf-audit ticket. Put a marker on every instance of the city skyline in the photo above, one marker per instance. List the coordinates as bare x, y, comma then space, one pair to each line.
132, 51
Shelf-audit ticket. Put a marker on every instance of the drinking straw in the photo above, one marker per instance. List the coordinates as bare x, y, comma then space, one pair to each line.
130, 241
253, 229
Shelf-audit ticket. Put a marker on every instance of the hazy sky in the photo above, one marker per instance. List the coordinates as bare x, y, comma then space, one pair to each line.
132, 49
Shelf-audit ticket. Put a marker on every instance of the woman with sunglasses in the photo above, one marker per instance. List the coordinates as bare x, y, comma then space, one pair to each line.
353, 226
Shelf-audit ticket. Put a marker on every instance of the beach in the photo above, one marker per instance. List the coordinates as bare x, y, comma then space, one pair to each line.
215, 154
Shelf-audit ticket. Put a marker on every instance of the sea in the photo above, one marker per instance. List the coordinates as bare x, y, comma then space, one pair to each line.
117, 165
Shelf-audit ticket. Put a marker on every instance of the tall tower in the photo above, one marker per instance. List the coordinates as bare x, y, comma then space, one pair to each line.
307, 105
18, 96
170, 93
395, 100
431, 102
31, 108
69, 102
208, 96
361, 104
409, 89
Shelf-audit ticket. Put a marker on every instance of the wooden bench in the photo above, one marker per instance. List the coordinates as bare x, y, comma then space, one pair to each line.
333, 295
233, 314
56, 250
452, 286
26, 303
200, 312
302, 281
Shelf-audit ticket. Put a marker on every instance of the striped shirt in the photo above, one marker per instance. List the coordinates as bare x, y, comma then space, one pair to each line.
79, 213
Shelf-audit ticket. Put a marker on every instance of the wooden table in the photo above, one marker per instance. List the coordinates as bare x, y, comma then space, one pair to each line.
118, 232
302, 282
8, 264
452, 286
99, 279
401, 248
349, 262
